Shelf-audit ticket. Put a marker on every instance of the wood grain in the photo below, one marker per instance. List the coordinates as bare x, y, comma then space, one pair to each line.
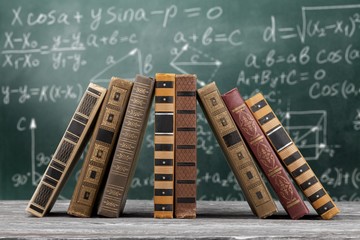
215, 220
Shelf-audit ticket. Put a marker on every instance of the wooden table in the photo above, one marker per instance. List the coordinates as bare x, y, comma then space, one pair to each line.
216, 220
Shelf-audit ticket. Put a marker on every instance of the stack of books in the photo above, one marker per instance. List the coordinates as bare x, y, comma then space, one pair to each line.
248, 132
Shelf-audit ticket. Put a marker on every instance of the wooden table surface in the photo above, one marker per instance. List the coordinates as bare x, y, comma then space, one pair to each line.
215, 220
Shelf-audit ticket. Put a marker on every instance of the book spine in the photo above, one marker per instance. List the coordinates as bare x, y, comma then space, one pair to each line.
291, 157
185, 151
236, 152
68, 151
164, 141
101, 148
127, 149
265, 155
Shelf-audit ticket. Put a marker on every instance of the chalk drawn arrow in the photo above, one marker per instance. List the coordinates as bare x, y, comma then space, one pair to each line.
35, 175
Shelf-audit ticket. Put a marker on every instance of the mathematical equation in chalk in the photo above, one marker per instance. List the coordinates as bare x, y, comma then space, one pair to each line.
314, 25
345, 89
300, 63
349, 55
111, 15
43, 94
338, 177
21, 52
25, 50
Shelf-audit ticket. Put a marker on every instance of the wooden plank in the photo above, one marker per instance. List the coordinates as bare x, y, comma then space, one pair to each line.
220, 220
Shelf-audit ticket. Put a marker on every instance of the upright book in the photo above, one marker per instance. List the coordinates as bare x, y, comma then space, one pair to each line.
236, 152
101, 148
68, 151
265, 155
185, 151
164, 141
291, 157
127, 150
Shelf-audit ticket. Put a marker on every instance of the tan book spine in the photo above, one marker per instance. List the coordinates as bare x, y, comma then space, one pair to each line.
291, 157
185, 151
123, 166
164, 141
68, 151
100, 148
237, 154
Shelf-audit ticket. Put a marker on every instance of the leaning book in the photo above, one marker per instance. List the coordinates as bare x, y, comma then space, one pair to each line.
236, 152
101, 147
122, 169
291, 157
68, 151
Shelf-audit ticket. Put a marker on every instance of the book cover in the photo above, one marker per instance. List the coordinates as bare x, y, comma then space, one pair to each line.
235, 151
101, 148
291, 157
265, 156
68, 151
127, 150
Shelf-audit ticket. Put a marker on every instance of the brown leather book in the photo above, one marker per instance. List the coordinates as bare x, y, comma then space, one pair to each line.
291, 157
265, 156
68, 151
127, 150
185, 151
238, 156
101, 148
164, 141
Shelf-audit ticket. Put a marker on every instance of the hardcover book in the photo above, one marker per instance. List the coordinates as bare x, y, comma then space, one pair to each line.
291, 157
186, 141
127, 150
68, 151
164, 141
265, 156
101, 148
236, 152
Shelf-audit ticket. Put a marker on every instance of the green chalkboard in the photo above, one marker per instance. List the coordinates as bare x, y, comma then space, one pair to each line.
303, 55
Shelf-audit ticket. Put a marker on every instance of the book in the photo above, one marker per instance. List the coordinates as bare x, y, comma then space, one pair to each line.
185, 151
127, 150
291, 157
100, 150
236, 152
67, 152
164, 141
265, 155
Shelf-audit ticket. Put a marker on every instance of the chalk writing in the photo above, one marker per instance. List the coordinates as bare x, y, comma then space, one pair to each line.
208, 37
304, 60
314, 27
46, 93
356, 121
345, 89
337, 177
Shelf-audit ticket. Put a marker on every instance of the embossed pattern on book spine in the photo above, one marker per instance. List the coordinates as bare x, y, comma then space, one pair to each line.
68, 152
291, 157
185, 152
265, 156
127, 149
100, 148
236, 152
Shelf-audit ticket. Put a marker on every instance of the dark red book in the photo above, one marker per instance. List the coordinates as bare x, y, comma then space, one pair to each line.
265, 155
